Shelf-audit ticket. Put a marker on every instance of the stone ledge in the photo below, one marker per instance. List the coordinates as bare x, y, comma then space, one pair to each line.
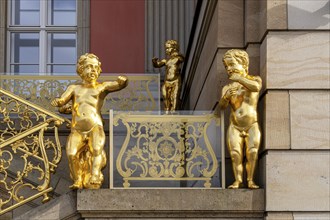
63, 207
171, 203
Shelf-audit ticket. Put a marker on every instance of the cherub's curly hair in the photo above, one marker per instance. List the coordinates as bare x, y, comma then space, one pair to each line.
83, 58
173, 43
240, 56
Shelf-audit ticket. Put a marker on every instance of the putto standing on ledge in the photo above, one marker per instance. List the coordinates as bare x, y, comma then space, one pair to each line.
85, 144
243, 131
172, 83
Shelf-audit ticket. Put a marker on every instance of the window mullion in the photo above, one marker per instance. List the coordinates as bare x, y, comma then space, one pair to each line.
9, 53
43, 53
43, 13
43, 39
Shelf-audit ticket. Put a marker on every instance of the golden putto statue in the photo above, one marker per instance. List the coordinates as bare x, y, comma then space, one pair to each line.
243, 135
85, 144
172, 83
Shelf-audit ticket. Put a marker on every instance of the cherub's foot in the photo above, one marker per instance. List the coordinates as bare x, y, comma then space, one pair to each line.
235, 185
252, 185
95, 181
76, 185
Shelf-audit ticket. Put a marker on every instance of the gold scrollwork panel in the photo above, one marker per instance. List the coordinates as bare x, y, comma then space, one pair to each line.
166, 147
29, 151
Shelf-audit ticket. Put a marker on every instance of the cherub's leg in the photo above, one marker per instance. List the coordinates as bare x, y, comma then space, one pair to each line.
104, 159
165, 97
235, 147
252, 147
175, 95
96, 144
74, 145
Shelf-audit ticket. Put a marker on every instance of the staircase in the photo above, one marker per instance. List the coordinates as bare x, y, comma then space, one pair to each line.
28, 154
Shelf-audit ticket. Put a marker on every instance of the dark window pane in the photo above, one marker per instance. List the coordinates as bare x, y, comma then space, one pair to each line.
64, 18
29, 4
25, 12
25, 48
62, 48
62, 12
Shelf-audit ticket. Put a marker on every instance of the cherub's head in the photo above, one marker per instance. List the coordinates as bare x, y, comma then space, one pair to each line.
171, 46
89, 67
236, 61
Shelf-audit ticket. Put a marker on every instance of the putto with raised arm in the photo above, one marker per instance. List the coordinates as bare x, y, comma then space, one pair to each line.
172, 83
85, 144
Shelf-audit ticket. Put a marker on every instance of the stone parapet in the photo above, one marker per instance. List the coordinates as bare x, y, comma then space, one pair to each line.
153, 203
162, 203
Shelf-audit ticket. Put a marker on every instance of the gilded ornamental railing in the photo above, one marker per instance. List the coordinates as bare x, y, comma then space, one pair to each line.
141, 94
176, 148
29, 151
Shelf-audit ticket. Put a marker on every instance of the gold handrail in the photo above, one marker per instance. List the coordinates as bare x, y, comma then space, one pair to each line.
142, 93
47, 112
25, 151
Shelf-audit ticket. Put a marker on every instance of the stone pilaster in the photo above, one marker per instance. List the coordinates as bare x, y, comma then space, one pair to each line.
294, 65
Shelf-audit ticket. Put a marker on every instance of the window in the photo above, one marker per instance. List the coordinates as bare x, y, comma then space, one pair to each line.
42, 37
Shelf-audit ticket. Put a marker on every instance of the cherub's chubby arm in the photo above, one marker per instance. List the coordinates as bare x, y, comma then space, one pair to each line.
120, 83
181, 58
252, 83
177, 60
227, 92
158, 63
65, 97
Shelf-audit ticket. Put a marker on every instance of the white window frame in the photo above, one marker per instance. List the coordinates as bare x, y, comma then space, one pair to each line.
42, 29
